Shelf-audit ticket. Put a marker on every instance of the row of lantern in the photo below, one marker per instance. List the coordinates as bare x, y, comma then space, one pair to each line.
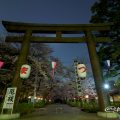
26, 69
81, 70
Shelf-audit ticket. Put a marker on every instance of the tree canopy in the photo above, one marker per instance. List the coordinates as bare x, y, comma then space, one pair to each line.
104, 11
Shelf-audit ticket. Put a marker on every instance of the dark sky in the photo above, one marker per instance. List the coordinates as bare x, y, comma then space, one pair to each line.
52, 11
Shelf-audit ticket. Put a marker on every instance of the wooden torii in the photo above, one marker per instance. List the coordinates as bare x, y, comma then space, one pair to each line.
29, 28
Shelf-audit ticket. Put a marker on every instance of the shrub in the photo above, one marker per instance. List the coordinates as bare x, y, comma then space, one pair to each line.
117, 104
24, 108
0, 107
39, 104
90, 107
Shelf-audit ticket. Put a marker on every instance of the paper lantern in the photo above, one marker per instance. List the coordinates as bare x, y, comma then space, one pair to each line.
25, 71
1, 64
54, 65
81, 70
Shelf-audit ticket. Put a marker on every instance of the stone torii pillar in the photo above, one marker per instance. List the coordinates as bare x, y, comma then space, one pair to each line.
59, 29
103, 99
21, 60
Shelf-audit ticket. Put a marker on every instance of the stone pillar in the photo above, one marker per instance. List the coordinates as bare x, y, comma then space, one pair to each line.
103, 99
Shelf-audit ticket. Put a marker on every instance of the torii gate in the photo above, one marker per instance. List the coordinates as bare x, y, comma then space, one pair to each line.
59, 29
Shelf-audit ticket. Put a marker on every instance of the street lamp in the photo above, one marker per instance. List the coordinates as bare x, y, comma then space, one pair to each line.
106, 86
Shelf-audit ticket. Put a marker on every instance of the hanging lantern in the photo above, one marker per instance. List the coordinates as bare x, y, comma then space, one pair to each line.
1, 64
81, 70
25, 71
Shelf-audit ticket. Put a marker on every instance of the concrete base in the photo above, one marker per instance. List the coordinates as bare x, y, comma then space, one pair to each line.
108, 114
9, 116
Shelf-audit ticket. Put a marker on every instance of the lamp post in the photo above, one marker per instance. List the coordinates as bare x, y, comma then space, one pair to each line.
106, 85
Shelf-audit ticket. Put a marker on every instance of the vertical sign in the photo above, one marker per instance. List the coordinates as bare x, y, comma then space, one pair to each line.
9, 98
78, 81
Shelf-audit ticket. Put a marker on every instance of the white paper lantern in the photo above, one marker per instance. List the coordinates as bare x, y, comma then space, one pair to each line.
25, 71
81, 70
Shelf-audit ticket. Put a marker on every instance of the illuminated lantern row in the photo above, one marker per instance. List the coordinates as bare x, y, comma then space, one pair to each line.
25, 71
1, 64
81, 70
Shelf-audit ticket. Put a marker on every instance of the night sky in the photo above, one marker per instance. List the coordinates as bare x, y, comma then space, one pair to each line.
52, 11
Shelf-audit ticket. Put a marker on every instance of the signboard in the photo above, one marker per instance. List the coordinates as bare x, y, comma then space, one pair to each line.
9, 98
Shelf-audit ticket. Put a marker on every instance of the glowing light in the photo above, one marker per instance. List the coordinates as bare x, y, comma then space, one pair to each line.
29, 97
41, 98
106, 86
96, 98
86, 96
38, 98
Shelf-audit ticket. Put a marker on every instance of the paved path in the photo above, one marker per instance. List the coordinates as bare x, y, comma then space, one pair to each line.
61, 112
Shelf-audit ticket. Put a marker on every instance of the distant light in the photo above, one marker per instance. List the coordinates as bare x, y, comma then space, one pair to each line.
41, 98
35, 97
38, 98
49, 100
106, 86
86, 96
96, 98
29, 97
74, 98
